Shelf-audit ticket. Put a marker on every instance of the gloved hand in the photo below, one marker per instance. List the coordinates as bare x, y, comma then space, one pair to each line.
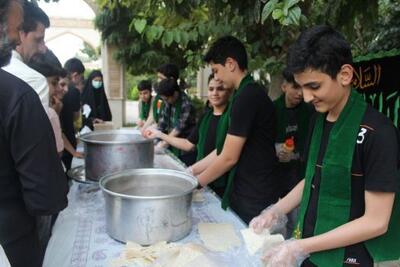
288, 254
158, 149
271, 218
189, 170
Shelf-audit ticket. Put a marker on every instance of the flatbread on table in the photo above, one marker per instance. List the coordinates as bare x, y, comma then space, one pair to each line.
265, 241
218, 236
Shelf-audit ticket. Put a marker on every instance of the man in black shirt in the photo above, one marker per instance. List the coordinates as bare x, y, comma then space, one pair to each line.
348, 211
32, 182
249, 150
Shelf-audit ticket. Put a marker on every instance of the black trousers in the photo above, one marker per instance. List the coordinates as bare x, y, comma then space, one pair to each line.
25, 251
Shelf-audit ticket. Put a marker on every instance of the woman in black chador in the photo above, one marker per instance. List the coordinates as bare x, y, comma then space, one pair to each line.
94, 96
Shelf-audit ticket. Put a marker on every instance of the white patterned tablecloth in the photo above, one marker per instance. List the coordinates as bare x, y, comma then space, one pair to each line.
79, 236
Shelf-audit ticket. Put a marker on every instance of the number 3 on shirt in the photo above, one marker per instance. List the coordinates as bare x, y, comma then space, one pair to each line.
361, 136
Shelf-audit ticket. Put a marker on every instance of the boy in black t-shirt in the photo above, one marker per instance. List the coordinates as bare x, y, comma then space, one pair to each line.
348, 211
292, 123
249, 150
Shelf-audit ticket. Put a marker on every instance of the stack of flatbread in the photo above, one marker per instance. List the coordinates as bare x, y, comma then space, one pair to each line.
163, 254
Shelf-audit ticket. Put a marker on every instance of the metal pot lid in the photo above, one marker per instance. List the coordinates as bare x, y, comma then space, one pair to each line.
148, 184
114, 137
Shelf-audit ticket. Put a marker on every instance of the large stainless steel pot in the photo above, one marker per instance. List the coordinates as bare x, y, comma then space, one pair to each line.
111, 151
148, 205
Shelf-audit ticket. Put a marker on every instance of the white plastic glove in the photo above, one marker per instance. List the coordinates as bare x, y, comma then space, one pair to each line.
189, 170
287, 254
271, 218
159, 149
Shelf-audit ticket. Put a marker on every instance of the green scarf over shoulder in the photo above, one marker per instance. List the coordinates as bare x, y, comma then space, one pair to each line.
144, 109
157, 106
222, 129
226, 197
334, 200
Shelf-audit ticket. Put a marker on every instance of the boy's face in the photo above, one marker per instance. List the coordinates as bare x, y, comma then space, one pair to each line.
144, 95
325, 93
63, 86
217, 94
293, 94
223, 73
53, 82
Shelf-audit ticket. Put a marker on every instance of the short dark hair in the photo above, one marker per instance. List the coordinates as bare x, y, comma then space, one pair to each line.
47, 64
167, 87
225, 47
74, 65
144, 85
169, 70
288, 76
33, 15
319, 48
210, 77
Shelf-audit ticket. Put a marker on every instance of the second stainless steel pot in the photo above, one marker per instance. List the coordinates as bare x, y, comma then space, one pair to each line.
111, 151
148, 205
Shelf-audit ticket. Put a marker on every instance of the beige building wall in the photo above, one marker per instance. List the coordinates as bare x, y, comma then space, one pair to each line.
114, 82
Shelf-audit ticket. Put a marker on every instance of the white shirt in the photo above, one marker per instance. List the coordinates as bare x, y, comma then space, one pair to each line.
36, 80
3, 258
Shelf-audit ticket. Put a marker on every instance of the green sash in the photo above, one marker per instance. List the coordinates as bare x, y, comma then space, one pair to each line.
335, 190
157, 109
175, 119
222, 129
144, 110
226, 197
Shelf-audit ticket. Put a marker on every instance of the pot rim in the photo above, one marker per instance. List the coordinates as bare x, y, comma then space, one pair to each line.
84, 138
103, 180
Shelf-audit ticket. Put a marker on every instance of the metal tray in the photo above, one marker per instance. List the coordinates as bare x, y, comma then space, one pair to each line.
78, 174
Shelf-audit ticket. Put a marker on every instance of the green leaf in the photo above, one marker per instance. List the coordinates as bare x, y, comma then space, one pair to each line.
177, 36
184, 39
167, 38
140, 24
151, 34
268, 9
202, 29
277, 14
193, 36
287, 4
294, 15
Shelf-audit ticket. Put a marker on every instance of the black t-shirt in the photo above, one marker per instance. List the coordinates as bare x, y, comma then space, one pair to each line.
374, 168
71, 104
253, 117
209, 144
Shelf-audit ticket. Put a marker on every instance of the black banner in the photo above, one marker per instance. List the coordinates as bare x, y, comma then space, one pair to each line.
378, 79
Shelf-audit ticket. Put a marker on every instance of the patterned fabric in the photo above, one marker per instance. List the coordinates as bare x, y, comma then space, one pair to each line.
181, 119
